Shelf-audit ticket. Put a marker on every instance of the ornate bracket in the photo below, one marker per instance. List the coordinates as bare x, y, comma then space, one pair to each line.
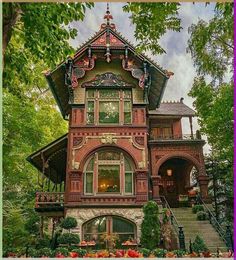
136, 72
108, 79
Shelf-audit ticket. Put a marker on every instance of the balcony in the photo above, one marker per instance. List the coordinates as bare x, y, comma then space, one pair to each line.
50, 203
183, 138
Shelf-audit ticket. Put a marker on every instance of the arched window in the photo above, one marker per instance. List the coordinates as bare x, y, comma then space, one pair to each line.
96, 228
107, 172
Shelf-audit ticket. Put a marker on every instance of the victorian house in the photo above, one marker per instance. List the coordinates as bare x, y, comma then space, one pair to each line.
124, 146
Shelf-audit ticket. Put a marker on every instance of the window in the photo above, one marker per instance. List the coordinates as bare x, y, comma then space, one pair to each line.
95, 228
162, 132
105, 106
108, 172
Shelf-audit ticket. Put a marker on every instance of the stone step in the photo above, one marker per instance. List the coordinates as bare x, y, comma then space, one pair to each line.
193, 227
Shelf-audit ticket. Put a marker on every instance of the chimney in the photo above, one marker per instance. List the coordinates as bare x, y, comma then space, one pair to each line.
181, 100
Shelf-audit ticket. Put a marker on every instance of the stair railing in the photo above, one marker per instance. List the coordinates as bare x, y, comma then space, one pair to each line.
178, 228
225, 235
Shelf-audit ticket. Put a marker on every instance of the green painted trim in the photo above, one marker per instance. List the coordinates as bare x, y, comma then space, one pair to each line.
52, 88
162, 92
45, 147
1, 128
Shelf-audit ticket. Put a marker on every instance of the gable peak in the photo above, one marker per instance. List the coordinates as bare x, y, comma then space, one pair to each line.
108, 17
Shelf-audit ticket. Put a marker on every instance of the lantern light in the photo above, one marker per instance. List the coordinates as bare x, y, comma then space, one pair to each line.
169, 172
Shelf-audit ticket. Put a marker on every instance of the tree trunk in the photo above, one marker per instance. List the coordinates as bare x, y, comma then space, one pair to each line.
11, 12
41, 228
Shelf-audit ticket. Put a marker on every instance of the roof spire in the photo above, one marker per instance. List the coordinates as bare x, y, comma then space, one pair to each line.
108, 15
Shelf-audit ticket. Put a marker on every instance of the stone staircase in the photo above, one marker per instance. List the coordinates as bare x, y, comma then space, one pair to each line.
193, 227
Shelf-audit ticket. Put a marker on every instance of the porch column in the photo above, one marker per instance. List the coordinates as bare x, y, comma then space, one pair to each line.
156, 189
191, 126
203, 183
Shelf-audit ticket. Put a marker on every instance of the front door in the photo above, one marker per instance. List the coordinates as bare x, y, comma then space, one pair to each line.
169, 189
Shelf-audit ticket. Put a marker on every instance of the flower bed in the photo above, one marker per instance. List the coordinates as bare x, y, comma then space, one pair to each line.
120, 253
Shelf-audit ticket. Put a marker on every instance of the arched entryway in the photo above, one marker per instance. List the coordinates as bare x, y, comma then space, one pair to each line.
176, 179
117, 228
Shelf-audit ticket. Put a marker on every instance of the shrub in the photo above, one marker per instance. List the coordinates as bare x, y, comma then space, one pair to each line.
160, 252
150, 228
197, 208
42, 243
62, 250
81, 252
46, 252
146, 252
179, 252
68, 238
69, 223
201, 215
199, 245
33, 252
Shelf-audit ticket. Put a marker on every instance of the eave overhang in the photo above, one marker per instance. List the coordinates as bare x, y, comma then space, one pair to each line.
56, 77
51, 159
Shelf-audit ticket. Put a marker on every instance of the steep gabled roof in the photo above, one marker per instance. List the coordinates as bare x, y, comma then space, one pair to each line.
173, 108
98, 42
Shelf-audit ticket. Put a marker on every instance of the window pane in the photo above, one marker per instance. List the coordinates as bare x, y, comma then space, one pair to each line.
95, 226
127, 166
128, 182
90, 107
90, 118
90, 165
108, 112
107, 93
127, 118
122, 226
127, 94
89, 182
127, 106
90, 93
108, 155
108, 178
127, 112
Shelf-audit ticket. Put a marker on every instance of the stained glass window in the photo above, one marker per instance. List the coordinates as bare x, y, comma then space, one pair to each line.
109, 112
112, 106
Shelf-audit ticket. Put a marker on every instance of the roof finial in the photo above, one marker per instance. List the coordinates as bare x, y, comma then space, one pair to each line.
108, 15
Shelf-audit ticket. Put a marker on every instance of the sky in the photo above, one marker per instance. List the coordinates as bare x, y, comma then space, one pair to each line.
176, 58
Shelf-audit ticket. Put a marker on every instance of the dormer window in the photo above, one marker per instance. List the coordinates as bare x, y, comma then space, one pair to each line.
108, 107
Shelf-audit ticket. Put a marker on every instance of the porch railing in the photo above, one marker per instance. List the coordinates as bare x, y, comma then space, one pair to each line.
178, 228
49, 199
176, 137
225, 234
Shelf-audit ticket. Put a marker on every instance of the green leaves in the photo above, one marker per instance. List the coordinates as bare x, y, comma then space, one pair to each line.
150, 228
211, 43
211, 47
152, 21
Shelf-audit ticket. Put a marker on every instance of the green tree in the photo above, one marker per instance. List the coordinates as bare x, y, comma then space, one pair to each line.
152, 21
35, 37
211, 47
211, 43
150, 228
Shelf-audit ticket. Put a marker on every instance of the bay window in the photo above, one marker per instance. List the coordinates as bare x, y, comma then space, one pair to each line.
108, 172
105, 106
